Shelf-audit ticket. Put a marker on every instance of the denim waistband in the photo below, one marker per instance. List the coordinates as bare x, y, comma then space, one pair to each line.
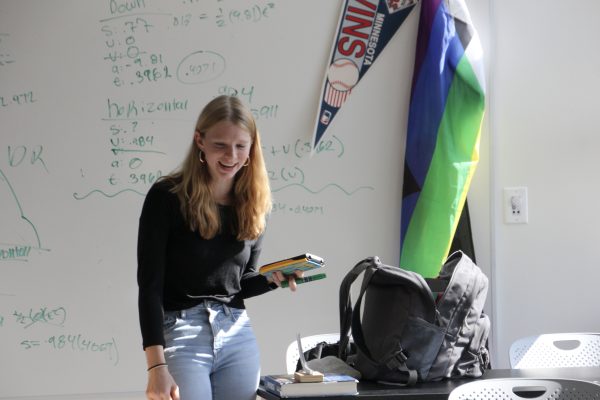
206, 304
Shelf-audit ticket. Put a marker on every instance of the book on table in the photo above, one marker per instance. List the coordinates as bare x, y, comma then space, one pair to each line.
284, 385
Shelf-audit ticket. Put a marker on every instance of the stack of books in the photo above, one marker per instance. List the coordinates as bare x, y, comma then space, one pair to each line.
303, 262
332, 385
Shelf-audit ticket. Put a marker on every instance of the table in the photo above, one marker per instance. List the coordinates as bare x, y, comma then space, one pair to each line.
441, 390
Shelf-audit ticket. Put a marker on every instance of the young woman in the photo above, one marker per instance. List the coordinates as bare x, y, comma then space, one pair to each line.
200, 235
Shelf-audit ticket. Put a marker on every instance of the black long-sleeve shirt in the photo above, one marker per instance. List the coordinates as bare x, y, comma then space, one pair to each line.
178, 269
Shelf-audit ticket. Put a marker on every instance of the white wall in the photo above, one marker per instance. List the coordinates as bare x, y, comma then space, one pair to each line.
544, 124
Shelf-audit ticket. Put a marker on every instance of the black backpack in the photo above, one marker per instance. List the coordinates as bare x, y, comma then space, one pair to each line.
406, 333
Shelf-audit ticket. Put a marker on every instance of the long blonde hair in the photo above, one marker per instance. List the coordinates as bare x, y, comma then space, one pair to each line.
251, 191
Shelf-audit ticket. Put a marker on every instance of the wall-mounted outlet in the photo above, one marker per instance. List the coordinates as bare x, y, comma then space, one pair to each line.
515, 205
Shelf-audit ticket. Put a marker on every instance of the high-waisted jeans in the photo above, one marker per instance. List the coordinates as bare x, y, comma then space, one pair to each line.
212, 352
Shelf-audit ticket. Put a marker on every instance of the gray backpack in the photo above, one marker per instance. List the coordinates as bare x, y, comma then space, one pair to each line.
408, 333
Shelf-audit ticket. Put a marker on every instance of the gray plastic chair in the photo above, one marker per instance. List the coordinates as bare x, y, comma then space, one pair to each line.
520, 388
308, 342
556, 350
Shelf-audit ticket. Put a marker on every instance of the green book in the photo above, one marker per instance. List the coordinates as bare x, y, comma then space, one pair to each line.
305, 279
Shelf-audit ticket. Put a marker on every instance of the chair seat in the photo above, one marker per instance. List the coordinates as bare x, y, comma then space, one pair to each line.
520, 388
556, 350
292, 356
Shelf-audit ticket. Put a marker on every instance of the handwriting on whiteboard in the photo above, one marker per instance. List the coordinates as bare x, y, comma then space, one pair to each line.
56, 317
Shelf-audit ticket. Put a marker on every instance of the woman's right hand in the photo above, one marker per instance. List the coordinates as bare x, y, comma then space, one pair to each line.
161, 385
278, 277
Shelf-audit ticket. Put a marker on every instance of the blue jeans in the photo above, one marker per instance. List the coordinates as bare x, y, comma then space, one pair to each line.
212, 352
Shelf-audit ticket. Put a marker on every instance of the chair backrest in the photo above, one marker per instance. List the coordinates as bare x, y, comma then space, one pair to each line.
292, 356
556, 350
520, 388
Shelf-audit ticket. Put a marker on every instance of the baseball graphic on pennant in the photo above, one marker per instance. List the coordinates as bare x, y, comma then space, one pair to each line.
342, 74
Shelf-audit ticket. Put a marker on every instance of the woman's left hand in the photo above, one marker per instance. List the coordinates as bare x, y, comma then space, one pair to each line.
279, 277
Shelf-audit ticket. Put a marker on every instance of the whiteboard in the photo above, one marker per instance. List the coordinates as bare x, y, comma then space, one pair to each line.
99, 98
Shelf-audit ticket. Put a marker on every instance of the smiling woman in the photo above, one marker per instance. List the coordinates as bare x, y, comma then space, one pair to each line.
199, 240
224, 125
225, 147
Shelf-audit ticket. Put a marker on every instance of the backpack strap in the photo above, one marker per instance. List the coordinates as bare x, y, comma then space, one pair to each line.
350, 319
346, 303
396, 359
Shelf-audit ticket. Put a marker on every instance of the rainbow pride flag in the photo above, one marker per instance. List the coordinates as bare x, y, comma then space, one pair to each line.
444, 127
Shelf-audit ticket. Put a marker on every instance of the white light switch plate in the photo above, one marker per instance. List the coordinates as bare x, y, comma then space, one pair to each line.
515, 205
